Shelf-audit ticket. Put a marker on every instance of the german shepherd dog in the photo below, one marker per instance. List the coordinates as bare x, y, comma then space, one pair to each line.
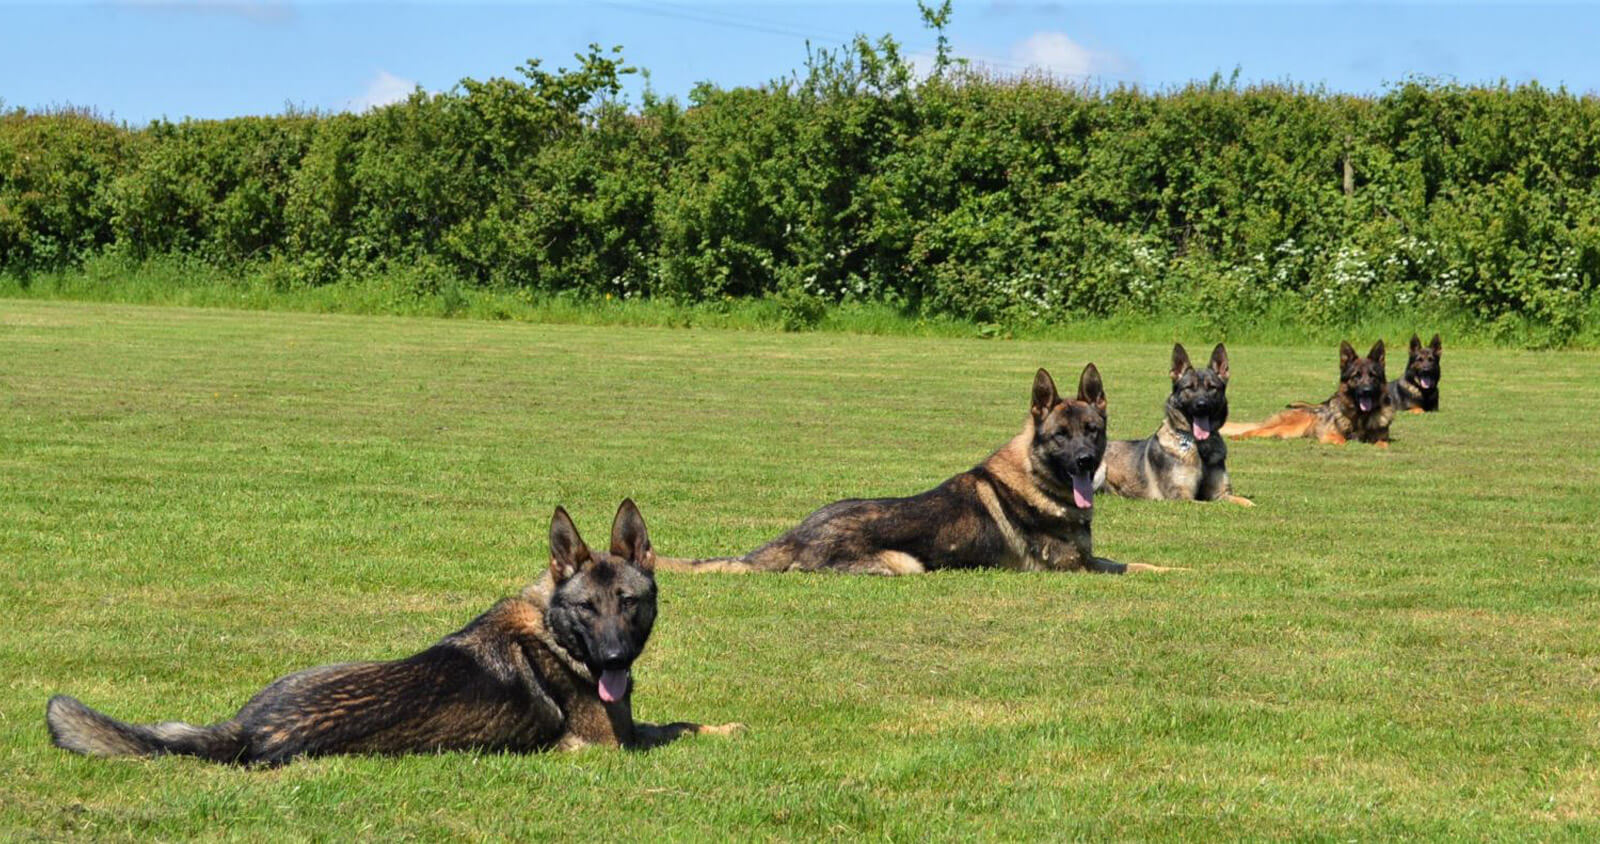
1360, 410
1417, 390
1028, 507
546, 669
1183, 460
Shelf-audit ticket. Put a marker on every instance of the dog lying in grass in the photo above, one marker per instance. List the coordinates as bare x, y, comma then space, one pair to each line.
1359, 410
549, 668
1417, 389
1184, 460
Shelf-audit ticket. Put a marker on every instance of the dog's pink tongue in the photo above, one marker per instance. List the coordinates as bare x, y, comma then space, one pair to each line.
1083, 491
1426, 382
1366, 405
1202, 427
613, 685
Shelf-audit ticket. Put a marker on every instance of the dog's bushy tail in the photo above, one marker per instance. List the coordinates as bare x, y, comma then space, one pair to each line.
76, 727
710, 565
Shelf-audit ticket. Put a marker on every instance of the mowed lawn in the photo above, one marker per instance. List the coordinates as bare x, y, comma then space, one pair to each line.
193, 502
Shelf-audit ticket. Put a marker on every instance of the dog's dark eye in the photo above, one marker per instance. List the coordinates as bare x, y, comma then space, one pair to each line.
588, 607
629, 602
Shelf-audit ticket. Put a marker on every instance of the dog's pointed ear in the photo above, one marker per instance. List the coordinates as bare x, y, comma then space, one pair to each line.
1090, 388
1180, 361
1416, 344
1376, 355
1347, 355
1435, 345
1219, 362
567, 551
630, 539
1044, 394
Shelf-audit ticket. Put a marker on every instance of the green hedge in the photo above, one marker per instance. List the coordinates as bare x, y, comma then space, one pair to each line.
1001, 200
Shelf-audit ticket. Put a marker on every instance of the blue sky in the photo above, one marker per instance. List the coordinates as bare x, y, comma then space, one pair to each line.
136, 60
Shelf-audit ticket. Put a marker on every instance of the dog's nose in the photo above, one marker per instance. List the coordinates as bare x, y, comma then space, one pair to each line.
612, 654
1085, 462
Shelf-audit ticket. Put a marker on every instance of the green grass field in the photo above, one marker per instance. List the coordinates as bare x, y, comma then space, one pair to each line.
193, 502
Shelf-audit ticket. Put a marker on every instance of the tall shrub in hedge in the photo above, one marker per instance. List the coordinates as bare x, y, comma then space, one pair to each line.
55, 169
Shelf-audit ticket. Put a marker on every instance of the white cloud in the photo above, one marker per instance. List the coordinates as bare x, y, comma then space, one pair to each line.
1050, 53
385, 88
1058, 55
